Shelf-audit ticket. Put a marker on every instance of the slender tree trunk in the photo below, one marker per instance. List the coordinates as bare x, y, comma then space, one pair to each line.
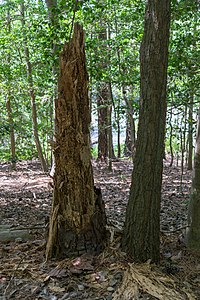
128, 143
193, 234
111, 105
110, 138
78, 221
118, 130
31, 91
183, 145
130, 133
52, 6
190, 136
141, 237
171, 139
102, 108
12, 132
111, 153
8, 102
103, 100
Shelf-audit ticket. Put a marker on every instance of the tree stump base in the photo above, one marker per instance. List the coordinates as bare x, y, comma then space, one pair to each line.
78, 219
89, 240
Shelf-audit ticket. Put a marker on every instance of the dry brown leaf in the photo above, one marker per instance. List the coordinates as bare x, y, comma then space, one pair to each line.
58, 273
56, 289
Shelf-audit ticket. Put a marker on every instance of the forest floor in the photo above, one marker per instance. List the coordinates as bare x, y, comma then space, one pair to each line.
25, 200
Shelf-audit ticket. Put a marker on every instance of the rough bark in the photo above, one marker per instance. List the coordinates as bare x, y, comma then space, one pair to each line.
78, 221
142, 225
193, 234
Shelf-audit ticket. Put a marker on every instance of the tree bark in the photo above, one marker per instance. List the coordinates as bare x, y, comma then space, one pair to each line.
78, 221
102, 107
141, 237
193, 234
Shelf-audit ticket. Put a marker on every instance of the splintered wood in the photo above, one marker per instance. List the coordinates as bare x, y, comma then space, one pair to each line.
140, 279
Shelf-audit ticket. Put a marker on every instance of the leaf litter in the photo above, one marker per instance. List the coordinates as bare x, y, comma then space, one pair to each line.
25, 200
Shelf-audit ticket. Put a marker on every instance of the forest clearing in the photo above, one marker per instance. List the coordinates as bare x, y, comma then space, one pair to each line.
25, 199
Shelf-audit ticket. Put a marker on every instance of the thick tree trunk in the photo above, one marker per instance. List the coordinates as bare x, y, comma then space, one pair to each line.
141, 237
193, 234
78, 221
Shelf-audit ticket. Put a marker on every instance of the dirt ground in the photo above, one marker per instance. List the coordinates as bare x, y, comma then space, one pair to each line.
25, 201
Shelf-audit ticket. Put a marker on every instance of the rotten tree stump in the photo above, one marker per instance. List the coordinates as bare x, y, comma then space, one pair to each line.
78, 220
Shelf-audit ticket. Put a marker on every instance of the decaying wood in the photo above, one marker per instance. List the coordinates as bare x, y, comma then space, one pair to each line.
140, 279
78, 221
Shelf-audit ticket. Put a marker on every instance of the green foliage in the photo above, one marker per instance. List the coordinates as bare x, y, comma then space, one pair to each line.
113, 36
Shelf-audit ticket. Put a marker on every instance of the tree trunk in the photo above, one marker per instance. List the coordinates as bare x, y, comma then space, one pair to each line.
12, 132
190, 136
141, 237
130, 129
52, 7
128, 142
171, 138
103, 98
8, 102
118, 129
102, 107
78, 221
193, 234
32, 92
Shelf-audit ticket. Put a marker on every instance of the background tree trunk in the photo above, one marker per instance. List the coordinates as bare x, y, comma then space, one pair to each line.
102, 107
77, 222
193, 234
190, 135
12, 132
52, 7
31, 91
8, 101
141, 237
